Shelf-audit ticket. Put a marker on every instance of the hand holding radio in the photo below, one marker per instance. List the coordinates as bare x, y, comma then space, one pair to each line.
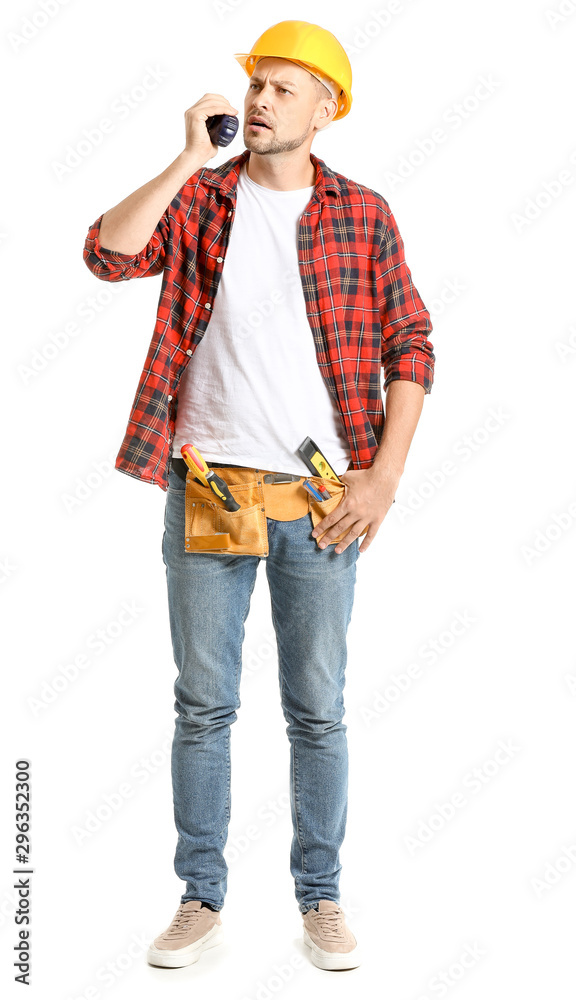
222, 128
212, 112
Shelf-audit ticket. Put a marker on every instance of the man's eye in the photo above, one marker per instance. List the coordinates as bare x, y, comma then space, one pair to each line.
280, 88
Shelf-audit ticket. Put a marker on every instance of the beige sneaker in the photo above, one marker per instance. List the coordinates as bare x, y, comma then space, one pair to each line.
332, 942
194, 929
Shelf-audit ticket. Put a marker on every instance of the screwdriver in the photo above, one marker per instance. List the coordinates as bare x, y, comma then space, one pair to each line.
207, 476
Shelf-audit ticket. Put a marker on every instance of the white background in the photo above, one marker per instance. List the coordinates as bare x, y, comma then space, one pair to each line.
482, 527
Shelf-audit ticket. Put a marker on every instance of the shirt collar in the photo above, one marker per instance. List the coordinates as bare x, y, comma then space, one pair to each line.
225, 177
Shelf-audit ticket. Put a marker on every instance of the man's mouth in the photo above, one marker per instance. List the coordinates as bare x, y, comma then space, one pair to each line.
258, 124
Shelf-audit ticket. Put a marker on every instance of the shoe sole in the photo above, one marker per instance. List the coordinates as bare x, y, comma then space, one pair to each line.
180, 957
332, 960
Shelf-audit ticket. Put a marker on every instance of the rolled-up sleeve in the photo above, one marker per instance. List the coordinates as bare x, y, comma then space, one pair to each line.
109, 265
407, 352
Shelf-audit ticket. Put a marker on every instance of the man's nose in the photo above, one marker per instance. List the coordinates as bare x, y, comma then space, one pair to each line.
262, 94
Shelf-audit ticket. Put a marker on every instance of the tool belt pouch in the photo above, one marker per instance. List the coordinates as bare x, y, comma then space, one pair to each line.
320, 508
209, 527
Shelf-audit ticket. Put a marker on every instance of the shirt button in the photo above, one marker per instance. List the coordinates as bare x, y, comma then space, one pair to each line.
208, 306
169, 398
219, 259
230, 212
188, 351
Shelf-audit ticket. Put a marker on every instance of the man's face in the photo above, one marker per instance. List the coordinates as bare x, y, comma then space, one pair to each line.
284, 96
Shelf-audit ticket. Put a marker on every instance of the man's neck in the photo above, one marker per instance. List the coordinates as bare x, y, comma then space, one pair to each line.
281, 173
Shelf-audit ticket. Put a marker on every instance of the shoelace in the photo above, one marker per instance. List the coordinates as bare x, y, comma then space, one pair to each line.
181, 922
330, 921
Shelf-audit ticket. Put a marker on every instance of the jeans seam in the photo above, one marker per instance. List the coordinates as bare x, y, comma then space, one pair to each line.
293, 743
297, 808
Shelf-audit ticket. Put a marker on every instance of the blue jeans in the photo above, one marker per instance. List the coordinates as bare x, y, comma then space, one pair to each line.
312, 593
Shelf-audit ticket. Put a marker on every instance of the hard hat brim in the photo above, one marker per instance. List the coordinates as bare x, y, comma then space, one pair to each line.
344, 100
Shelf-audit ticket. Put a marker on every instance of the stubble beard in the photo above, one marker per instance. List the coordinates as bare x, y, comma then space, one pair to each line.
272, 145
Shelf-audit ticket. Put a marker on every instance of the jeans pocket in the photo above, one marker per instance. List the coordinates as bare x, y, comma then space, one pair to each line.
176, 484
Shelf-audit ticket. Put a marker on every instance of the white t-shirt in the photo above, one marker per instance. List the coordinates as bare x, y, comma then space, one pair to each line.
253, 390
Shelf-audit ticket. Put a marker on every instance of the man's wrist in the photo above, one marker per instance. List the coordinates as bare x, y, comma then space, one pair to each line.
387, 469
188, 163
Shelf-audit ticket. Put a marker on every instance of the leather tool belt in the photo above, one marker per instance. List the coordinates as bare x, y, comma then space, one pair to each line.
261, 493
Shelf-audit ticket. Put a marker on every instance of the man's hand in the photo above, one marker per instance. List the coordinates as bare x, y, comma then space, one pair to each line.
198, 142
368, 499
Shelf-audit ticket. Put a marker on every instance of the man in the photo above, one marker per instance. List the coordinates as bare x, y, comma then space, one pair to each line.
267, 249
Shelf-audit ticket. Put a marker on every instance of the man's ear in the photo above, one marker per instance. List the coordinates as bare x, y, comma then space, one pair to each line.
326, 115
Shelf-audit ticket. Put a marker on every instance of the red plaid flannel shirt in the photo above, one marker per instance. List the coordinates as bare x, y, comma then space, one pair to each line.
364, 311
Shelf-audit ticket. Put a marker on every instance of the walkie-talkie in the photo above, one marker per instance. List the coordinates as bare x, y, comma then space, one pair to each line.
222, 129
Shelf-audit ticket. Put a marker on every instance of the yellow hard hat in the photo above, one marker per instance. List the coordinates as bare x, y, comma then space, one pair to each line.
313, 48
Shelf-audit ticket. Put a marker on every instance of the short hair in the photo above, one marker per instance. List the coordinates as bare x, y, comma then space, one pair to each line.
321, 92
